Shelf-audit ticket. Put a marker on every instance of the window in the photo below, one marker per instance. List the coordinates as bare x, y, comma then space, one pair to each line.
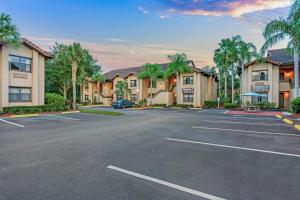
281, 76
86, 86
19, 64
188, 80
153, 84
133, 83
260, 75
86, 98
133, 97
188, 97
18, 94
260, 99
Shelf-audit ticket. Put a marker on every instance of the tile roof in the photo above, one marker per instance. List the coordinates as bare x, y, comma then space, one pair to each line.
278, 57
125, 72
30, 44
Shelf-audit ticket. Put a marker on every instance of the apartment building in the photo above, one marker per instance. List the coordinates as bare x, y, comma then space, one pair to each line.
189, 88
274, 78
22, 74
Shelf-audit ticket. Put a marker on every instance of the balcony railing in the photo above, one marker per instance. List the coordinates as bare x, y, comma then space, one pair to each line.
260, 88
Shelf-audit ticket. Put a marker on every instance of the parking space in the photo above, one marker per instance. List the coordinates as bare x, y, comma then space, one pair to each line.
150, 154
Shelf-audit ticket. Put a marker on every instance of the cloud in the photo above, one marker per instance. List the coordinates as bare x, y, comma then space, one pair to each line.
143, 10
116, 40
113, 55
164, 16
234, 8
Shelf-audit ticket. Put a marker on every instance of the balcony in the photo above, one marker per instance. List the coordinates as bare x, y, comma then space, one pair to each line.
260, 88
285, 85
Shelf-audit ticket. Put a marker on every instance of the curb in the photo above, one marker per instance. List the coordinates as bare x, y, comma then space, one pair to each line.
77, 111
28, 115
297, 127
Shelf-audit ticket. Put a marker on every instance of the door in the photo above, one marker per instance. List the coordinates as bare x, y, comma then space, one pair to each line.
281, 100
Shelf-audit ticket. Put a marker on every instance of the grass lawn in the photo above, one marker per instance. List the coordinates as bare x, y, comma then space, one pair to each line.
101, 112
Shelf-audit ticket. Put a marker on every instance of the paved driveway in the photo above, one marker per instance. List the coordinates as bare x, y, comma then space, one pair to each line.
149, 155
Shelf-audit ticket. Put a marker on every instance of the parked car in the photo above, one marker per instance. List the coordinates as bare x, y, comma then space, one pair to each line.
122, 104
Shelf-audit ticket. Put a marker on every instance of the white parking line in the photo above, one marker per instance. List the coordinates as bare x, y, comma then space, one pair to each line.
19, 125
235, 147
245, 131
165, 183
233, 122
61, 117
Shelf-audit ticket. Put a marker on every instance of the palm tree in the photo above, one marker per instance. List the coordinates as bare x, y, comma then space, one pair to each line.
246, 52
224, 57
280, 29
98, 78
8, 31
151, 71
179, 65
74, 54
121, 87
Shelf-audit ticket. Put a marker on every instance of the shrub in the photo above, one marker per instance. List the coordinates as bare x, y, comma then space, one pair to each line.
295, 105
160, 105
184, 105
51, 98
210, 104
19, 110
266, 105
230, 105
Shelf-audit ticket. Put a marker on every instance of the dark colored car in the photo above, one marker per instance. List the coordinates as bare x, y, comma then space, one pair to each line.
122, 104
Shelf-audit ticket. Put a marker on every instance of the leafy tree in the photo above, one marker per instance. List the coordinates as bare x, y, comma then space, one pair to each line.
151, 71
179, 65
98, 78
280, 29
121, 88
8, 32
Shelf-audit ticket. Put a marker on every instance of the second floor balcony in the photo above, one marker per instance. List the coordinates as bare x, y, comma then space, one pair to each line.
260, 88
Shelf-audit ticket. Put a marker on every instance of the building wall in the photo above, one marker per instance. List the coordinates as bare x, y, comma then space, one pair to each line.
273, 81
34, 79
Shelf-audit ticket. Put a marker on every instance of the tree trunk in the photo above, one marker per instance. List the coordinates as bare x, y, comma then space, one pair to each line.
219, 86
98, 92
296, 72
232, 87
151, 94
74, 72
225, 86
241, 84
177, 87
65, 93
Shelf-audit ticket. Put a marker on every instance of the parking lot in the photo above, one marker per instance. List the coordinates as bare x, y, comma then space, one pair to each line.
149, 154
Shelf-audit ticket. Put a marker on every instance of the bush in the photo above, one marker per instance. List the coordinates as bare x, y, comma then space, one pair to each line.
266, 105
160, 105
184, 105
210, 104
230, 105
51, 98
295, 105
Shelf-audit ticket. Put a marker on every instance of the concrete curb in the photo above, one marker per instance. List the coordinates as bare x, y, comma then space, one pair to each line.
278, 116
67, 112
27, 115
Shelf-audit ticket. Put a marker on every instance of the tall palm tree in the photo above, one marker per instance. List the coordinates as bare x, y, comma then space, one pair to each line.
178, 65
246, 52
74, 54
151, 71
225, 56
8, 32
280, 29
99, 79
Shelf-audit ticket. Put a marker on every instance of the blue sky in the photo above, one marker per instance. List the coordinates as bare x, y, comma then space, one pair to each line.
125, 33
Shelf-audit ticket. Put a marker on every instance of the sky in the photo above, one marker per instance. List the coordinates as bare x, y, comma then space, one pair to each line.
127, 33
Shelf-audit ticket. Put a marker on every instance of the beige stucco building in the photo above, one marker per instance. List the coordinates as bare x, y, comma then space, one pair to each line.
274, 78
189, 88
22, 74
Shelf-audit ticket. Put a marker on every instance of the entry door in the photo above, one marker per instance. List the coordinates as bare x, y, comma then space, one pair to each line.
281, 100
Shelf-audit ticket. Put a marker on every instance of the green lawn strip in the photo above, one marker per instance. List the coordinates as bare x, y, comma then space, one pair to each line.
101, 112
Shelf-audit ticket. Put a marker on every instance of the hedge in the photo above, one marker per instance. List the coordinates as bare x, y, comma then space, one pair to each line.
230, 105
19, 110
51, 98
184, 105
160, 105
210, 104
295, 105
266, 105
